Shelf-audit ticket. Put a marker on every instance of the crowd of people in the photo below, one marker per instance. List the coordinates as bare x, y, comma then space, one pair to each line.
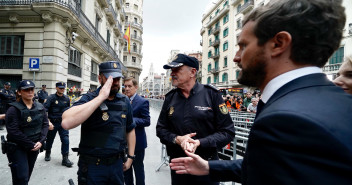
298, 136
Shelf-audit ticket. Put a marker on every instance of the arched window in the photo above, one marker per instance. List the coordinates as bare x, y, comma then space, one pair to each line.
134, 47
209, 80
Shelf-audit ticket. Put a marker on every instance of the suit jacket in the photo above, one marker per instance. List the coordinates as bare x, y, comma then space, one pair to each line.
141, 118
303, 135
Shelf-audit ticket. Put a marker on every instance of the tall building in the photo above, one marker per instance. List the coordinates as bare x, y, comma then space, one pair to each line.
153, 84
134, 19
221, 26
59, 40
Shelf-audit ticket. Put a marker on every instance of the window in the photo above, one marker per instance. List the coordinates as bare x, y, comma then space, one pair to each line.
209, 31
127, 5
134, 47
217, 11
239, 8
210, 42
135, 7
209, 67
75, 57
225, 77
216, 64
11, 45
216, 78
209, 54
225, 62
225, 46
134, 59
135, 34
108, 37
126, 17
217, 51
136, 20
337, 57
208, 80
239, 23
97, 22
226, 3
226, 19
94, 71
237, 73
125, 58
225, 32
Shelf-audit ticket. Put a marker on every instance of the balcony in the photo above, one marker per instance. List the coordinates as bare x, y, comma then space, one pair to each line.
138, 38
216, 30
94, 77
137, 52
217, 17
201, 43
331, 67
118, 28
215, 70
11, 62
215, 56
133, 65
123, 14
247, 7
111, 15
103, 3
215, 43
119, 3
74, 70
202, 31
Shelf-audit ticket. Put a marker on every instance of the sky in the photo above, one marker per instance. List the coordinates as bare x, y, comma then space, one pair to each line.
170, 25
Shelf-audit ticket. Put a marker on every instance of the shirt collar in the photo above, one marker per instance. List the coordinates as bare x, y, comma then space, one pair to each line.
132, 97
284, 78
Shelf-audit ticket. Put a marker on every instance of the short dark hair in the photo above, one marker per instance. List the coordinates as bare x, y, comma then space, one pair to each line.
316, 27
134, 81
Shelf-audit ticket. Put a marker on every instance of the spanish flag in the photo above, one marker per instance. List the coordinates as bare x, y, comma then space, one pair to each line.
127, 37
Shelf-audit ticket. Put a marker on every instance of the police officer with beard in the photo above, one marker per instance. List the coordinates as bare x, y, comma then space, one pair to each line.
55, 105
27, 126
107, 127
7, 96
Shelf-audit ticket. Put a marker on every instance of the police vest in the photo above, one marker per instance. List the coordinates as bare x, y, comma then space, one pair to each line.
109, 131
31, 121
57, 106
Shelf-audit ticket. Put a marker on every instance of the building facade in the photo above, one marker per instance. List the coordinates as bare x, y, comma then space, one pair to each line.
221, 26
154, 84
59, 40
134, 19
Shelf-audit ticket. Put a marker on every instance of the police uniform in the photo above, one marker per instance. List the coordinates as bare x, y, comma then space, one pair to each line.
103, 136
7, 97
55, 106
42, 95
25, 127
203, 112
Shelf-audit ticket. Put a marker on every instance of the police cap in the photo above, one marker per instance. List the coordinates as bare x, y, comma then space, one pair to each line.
43, 85
180, 60
25, 84
7, 83
60, 85
111, 68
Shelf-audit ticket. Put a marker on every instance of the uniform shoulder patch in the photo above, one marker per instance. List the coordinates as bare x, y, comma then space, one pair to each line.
212, 87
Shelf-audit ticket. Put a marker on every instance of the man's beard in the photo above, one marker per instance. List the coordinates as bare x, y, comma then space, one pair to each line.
255, 73
113, 90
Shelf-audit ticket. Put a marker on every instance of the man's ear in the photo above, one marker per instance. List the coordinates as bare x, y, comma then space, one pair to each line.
281, 42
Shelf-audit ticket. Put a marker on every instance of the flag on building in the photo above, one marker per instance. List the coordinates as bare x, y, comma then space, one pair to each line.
127, 36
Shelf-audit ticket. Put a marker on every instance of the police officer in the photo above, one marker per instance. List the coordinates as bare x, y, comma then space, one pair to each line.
42, 94
107, 125
7, 96
194, 117
27, 126
55, 105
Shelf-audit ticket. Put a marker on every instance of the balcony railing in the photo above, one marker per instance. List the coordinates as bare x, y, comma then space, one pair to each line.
136, 25
74, 70
215, 43
11, 62
216, 30
216, 55
215, 70
222, 12
331, 67
74, 7
247, 6
111, 14
93, 77
137, 38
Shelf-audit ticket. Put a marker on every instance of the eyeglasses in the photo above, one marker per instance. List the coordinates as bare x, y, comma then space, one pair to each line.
27, 90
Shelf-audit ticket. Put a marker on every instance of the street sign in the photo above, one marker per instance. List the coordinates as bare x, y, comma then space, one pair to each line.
34, 64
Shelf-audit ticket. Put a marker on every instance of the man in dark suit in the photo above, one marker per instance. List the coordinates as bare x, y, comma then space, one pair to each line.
303, 130
141, 118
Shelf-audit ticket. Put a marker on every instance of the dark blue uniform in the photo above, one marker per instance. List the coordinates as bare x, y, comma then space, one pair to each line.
103, 140
42, 95
6, 97
25, 132
203, 112
55, 105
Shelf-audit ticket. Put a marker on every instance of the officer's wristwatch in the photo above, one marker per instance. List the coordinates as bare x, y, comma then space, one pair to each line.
131, 157
174, 141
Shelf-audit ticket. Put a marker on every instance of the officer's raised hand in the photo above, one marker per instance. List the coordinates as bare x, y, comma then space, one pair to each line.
105, 90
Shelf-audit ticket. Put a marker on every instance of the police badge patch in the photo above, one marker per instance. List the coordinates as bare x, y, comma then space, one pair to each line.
29, 119
171, 111
223, 108
105, 116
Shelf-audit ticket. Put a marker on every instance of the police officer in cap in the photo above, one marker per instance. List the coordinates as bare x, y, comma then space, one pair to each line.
107, 127
55, 105
42, 94
27, 127
7, 96
193, 118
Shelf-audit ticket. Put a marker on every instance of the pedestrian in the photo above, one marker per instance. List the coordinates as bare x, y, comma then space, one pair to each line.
194, 117
107, 125
252, 107
55, 105
27, 126
344, 76
302, 132
42, 94
141, 117
248, 99
7, 96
